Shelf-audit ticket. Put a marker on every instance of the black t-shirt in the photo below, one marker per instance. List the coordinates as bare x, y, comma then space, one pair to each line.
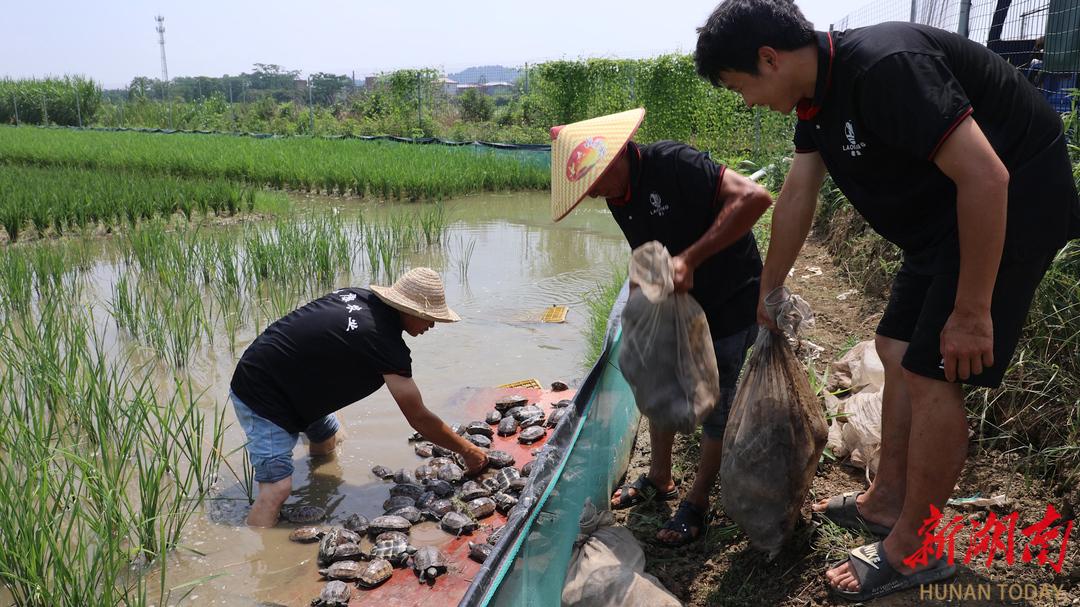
321, 357
674, 199
887, 98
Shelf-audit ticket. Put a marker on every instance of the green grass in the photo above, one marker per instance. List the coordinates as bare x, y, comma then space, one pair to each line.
598, 304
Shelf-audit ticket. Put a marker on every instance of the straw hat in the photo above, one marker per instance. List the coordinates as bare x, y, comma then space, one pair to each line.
419, 293
582, 152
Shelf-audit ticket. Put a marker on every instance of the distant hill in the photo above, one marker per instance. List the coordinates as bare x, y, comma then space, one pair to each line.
487, 73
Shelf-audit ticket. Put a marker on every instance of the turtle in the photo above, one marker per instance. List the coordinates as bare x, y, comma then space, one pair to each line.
518, 484
376, 572
562, 404
493, 417
458, 429
532, 434
429, 563
439, 462
328, 545
345, 536
411, 490
512, 412
394, 550
504, 502
404, 477
303, 515
493, 537
555, 417
438, 451
425, 499
479, 552
335, 594
526, 470
481, 507
388, 522
399, 501
479, 440
499, 459
528, 411
357, 523
440, 488
438, 509
409, 513
451, 474
508, 402
559, 386
472, 490
425, 473
456, 523
532, 420
415, 436
306, 535
382, 472
346, 571
480, 428
500, 481
348, 552
424, 448
391, 535
507, 426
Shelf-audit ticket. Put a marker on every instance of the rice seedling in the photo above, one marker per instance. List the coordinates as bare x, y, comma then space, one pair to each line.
464, 256
599, 303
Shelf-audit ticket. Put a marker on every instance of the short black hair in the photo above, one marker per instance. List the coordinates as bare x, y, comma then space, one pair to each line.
730, 39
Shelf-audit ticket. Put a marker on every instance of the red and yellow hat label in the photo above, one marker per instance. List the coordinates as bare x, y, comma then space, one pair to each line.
584, 157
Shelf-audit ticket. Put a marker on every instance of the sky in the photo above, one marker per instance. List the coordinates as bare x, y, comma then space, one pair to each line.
113, 41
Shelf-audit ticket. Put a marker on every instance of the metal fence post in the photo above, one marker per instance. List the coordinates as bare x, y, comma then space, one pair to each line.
15, 103
963, 26
311, 106
914, 7
419, 115
78, 106
232, 108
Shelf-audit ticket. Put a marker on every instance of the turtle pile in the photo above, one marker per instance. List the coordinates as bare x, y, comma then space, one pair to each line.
368, 551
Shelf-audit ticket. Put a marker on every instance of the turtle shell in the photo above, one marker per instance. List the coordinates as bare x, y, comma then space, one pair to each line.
415, 436
507, 426
388, 522
306, 535
425, 473
532, 434
376, 572
424, 448
438, 451
533, 420
346, 571
499, 459
456, 523
440, 488
559, 386
409, 513
303, 515
331, 540
429, 563
512, 412
348, 552
508, 402
493, 417
481, 507
526, 470
382, 472
439, 508
528, 411
472, 490
404, 477
395, 551
439, 462
391, 536
518, 484
345, 536
480, 428
560, 404
357, 523
398, 501
555, 417
479, 552
451, 474
504, 502
479, 440
412, 491
335, 594
425, 500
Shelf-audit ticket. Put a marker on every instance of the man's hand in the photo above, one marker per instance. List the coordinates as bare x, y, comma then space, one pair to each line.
765, 319
967, 344
683, 274
475, 461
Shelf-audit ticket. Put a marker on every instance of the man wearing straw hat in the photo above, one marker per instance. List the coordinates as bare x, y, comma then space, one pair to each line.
325, 355
702, 213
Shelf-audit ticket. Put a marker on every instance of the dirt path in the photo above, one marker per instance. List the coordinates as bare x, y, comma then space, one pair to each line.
721, 568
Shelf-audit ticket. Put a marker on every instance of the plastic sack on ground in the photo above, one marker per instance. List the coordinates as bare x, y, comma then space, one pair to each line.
856, 427
667, 353
607, 568
774, 438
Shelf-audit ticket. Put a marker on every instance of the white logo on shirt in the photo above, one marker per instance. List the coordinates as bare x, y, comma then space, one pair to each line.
853, 147
659, 208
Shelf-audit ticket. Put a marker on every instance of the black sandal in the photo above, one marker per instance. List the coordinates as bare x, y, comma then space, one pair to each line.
877, 577
686, 516
842, 511
644, 491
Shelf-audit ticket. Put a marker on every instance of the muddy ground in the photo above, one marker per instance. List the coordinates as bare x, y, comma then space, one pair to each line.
721, 569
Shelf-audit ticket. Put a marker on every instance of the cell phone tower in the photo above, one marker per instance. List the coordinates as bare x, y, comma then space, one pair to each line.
161, 42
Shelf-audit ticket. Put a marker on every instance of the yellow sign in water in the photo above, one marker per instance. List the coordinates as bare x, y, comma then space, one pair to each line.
523, 384
555, 314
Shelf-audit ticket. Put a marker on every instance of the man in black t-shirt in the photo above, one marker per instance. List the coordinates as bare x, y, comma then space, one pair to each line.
671, 193
325, 355
949, 153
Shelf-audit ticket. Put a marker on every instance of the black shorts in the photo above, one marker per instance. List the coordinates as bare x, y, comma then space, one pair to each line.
920, 304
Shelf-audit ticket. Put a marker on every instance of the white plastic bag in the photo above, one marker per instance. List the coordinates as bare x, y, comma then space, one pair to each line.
667, 353
856, 429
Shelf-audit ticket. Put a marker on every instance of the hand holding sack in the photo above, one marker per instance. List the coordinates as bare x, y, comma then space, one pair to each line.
667, 352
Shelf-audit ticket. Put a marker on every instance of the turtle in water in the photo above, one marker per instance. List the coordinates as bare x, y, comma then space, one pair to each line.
306, 535
426, 473
335, 594
376, 572
438, 509
328, 545
429, 563
398, 501
440, 488
481, 507
562, 404
346, 571
499, 459
425, 499
556, 417
532, 434
507, 426
493, 417
480, 428
382, 472
456, 523
451, 473
509, 402
504, 502
528, 411
391, 535
559, 386
357, 523
394, 550
424, 448
303, 515
526, 470
479, 552
388, 522
404, 477
479, 440
472, 490
409, 513
409, 490
348, 552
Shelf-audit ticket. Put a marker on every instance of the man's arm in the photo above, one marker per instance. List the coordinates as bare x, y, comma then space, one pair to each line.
744, 203
791, 221
982, 195
407, 395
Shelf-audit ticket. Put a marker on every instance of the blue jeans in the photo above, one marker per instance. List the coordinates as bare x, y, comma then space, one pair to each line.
270, 447
730, 354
